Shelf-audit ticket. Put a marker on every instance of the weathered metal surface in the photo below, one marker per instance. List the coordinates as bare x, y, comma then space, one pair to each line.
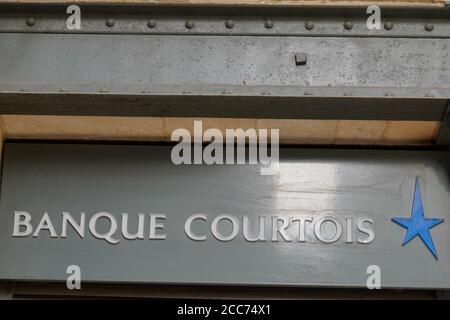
341, 184
314, 21
223, 106
201, 76
130, 64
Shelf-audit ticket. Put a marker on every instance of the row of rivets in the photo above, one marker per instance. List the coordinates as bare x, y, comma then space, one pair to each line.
229, 24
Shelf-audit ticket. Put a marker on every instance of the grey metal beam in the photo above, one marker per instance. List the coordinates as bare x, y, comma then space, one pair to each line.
223, 106
215, 20
210, 70
235, 76
85, 63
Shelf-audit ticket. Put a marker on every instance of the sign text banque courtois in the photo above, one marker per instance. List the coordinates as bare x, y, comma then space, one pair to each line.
104, 225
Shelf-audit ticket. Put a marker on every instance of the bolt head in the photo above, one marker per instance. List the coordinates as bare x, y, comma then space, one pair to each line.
229, 24
429, 27
31, 22
151, 24
309, 25
189, 24
348, 25
388, 25
110, 23
268, 24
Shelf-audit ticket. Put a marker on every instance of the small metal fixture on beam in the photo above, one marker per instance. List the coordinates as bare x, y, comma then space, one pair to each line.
300, 58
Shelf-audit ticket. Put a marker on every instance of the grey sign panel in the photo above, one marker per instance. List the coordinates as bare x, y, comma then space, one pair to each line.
328, 217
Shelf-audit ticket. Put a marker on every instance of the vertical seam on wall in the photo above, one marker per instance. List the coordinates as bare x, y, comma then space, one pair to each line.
3, 131
336, 129
387, 125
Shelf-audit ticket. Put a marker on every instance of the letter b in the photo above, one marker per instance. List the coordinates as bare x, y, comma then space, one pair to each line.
22, 219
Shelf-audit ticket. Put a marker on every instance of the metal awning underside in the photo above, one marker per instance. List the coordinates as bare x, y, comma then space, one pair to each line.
225, 62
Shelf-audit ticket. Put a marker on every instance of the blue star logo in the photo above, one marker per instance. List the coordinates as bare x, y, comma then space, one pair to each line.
418, 225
